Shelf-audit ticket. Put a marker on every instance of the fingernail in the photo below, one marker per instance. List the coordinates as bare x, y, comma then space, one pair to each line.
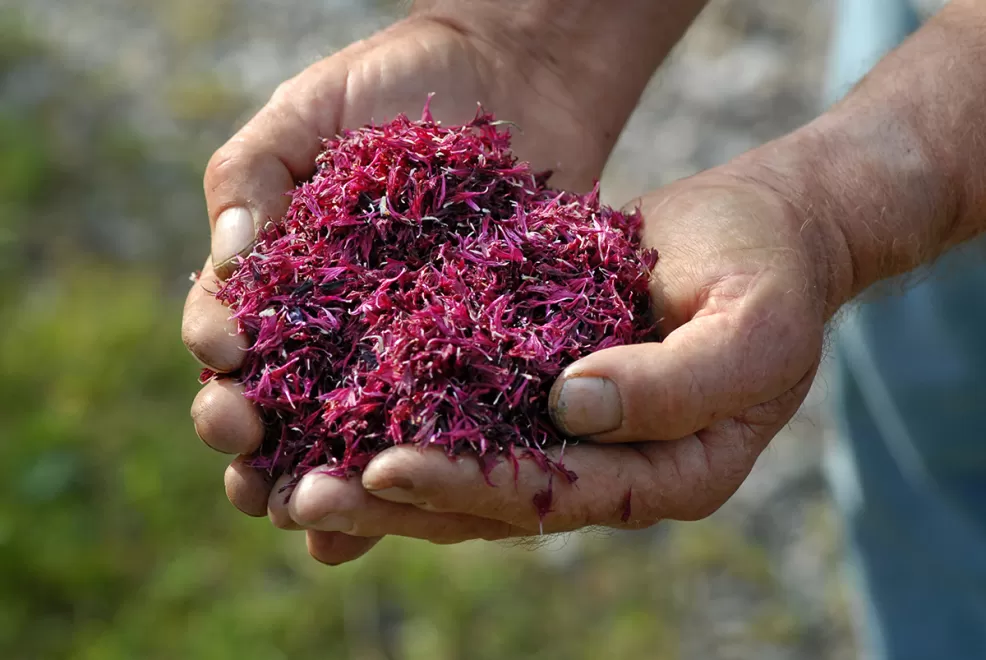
399, 495
587, 406
376, 480
234, 233
390, 487
333, 523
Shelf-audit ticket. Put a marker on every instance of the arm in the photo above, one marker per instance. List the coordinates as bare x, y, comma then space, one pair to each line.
897, 170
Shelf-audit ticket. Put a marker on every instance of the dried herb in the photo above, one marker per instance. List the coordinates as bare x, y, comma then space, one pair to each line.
425, 287
627, 505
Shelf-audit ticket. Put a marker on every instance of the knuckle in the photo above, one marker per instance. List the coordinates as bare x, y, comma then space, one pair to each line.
224, 164
284, 91
236, 155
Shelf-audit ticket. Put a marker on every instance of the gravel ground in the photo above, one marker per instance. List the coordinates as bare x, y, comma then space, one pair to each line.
748, 71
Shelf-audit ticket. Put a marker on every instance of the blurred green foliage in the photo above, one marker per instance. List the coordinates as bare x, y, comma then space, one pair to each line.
116, 541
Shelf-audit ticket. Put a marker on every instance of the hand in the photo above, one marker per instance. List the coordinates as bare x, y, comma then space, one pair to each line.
569, 129
756, 257
674, 427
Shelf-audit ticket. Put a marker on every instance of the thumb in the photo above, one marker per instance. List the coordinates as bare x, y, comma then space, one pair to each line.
248, 178
711, 368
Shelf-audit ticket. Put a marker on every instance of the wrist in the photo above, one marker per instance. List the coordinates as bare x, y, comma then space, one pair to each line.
866, 209
891, 175
598, 55
879, 184
878, 190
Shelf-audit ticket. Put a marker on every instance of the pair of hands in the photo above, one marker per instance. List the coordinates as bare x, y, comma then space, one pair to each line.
743, 286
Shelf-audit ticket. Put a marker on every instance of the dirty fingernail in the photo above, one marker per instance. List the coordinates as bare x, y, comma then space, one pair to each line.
378, 480
235, 232
587, 405
399, 495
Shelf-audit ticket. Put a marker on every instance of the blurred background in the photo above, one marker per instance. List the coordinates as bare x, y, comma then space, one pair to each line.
116, 540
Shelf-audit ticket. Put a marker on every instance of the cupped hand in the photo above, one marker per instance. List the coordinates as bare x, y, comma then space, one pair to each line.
755, 258
247, 179
668, 430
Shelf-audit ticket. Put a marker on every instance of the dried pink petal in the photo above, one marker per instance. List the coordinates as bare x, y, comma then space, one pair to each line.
425, 288
627, 505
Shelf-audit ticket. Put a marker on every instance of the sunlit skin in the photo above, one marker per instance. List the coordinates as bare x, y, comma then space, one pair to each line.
756, 258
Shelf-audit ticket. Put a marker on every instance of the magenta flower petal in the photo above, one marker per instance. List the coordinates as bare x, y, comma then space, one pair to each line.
425, 287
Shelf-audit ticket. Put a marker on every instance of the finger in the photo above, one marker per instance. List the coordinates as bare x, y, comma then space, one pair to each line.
629, 486
207, 329
620, 485
329, 503
707, 370
247, 179
277, 504
247, 488
333, 548
225, 420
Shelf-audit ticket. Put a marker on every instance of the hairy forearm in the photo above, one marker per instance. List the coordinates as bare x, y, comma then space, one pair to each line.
897, 170
604, 52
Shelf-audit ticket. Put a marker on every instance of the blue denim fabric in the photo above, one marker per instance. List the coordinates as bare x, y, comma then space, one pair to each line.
909, 468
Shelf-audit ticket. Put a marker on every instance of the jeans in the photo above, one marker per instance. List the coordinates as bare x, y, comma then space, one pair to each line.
908, 464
